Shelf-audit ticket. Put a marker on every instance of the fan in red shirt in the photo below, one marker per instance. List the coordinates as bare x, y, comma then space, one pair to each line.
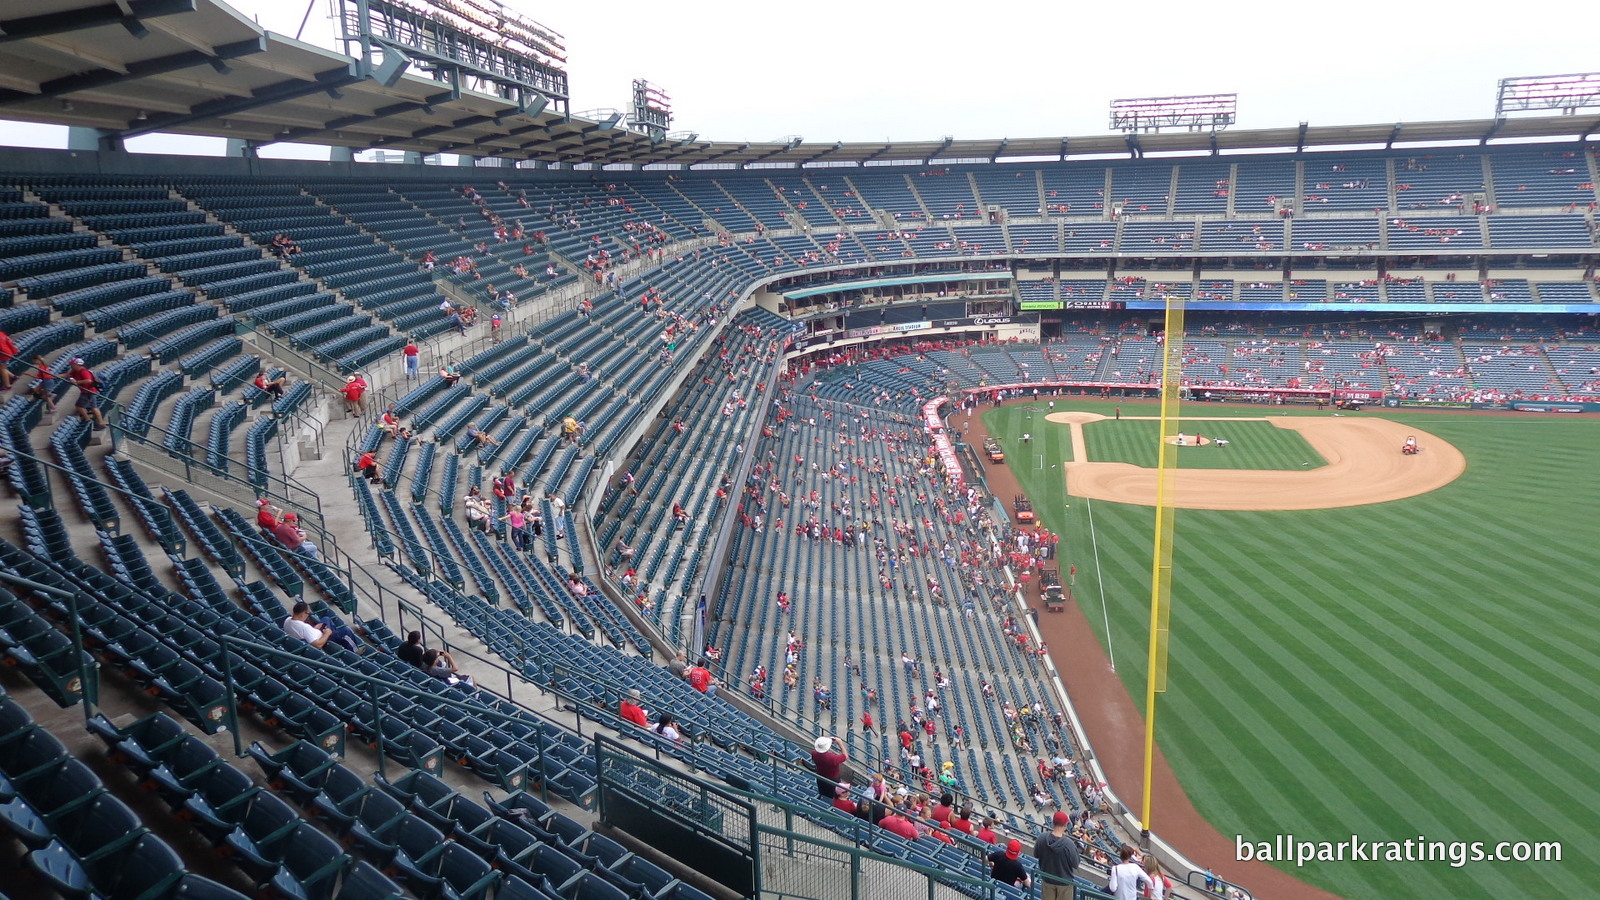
630, 710
700, 679
896, 823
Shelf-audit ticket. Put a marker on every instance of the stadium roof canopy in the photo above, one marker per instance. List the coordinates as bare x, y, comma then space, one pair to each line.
198, 67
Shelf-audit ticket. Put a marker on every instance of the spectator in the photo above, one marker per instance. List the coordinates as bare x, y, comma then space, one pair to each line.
438, 664
1160, 884
667, 727
389, 422
1005, 866
987, 833
354, 391
413, 358
841, 799
267, 516
88, 385
412, 650
43, 387
450, 373
517, 525
631, 711
1128, 879
317, 633
481, 437
288, 533
272, 386
896, 823
8, 355
679, 666
827, 756
367, 464
1057, 852
477, 510
701, 680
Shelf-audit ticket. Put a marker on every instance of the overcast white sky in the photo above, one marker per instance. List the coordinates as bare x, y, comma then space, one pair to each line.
832, 70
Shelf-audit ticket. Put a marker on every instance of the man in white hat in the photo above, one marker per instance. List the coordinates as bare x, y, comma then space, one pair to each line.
355, 389
827, 755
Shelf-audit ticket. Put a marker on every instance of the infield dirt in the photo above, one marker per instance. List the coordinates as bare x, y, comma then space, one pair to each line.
1364, 465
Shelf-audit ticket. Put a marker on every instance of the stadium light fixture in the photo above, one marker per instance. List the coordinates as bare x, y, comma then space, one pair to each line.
1540, 93
534, 105
394, 66
1196, 112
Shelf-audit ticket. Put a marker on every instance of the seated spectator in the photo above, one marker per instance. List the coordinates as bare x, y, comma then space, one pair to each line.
450, 373
389, 423
317, 633
367, 464
841, 798
481, 437
896, 823
291, 537
477, 511
438, 664
631, 711
667, 727
267, 515
411, 651
272, 386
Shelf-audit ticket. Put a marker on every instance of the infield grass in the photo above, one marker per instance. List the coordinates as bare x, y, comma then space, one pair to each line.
1425, 666
1251, 445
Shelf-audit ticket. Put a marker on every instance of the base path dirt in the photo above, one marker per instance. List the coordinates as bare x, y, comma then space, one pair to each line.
1116, 731
1364, 465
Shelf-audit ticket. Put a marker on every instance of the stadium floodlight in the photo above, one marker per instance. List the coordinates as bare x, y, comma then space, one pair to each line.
1196, 112
651, 113
393, 66
476, 44
1538, 93
533, 104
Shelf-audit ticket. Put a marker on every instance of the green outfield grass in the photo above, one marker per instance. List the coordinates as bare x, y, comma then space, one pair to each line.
1420, 667
1251, 445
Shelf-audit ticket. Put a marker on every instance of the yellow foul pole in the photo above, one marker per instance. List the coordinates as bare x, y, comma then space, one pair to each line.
1161, 569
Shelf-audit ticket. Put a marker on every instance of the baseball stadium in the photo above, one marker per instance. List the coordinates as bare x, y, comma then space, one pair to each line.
508, 502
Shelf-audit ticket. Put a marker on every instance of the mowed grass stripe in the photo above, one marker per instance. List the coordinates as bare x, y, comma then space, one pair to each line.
1335, 737
1405, 649
1471, 628
1421, 634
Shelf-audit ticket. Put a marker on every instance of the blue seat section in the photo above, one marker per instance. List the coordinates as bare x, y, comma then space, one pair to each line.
85, 300
79, 838
333, 249
1541, 177
41, 286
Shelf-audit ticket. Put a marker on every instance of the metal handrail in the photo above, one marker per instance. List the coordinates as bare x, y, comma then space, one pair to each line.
71, 597
117, 410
